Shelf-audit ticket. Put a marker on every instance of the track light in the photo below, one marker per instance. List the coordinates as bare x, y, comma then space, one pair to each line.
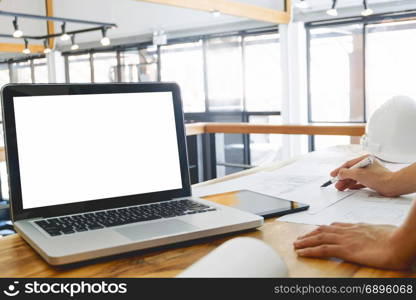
333, 10
26, 50
302, 4
46, 49
17, 33
74, 45
215, 13
105, 41
367, 11
65, 36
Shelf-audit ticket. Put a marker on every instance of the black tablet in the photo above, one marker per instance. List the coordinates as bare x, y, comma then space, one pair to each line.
257, 203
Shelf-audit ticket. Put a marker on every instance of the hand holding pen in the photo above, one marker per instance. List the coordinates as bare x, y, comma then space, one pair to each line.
365, 162
374, 176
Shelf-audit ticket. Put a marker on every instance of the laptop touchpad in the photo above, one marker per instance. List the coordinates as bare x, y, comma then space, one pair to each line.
151, 230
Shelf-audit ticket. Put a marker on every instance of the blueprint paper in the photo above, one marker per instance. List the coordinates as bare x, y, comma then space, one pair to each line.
363, 206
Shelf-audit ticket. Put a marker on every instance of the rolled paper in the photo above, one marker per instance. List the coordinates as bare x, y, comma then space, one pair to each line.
239, 258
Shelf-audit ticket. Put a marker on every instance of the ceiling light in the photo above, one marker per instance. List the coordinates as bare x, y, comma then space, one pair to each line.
65, 36
74, 45
17, 33
367, 11
333, 10
105, 41
302, 4
26, 50
46, 49
215, 13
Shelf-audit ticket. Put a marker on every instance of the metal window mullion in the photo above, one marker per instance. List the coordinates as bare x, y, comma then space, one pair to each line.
91, 67
32, 70
311, 138
66, 60
9, 66
245, 117
159, 64
205, 69
118, 67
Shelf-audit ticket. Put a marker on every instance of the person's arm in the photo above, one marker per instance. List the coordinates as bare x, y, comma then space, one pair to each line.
381, 246
376, 177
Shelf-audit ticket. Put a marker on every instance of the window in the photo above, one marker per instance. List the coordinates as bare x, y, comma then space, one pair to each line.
265, 148
148, 64
136, 65
79, 68
263, 82
40, 69
224, 71
105, 67
22, 72
355, 68
184, 64
4, 79
390, 62
129, 60
4, 74
336, 74
227, 78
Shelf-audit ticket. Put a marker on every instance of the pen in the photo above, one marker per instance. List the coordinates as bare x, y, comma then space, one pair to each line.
361, 164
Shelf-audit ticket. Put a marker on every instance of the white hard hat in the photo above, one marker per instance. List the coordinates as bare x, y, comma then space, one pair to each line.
391, 131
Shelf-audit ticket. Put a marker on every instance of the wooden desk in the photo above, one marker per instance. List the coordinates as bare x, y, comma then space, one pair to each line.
17, 259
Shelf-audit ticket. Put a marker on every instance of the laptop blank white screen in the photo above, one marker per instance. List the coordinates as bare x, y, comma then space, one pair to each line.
75, 148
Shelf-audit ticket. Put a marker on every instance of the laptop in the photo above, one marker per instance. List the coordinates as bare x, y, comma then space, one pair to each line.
101, 169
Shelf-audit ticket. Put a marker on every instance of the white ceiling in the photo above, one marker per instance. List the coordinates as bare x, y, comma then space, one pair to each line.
134, 18
137, 19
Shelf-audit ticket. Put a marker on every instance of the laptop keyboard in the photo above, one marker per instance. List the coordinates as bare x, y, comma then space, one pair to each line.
114, 217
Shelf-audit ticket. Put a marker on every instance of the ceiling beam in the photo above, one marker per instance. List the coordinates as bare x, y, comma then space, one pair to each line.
50, 29
18, 48
232, 8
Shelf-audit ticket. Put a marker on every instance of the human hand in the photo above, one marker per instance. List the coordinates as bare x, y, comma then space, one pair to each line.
374, 176
381, 246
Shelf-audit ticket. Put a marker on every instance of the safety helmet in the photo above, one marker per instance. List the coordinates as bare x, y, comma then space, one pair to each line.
391, 131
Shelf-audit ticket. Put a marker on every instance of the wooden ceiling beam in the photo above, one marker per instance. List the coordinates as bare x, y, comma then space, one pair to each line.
17, 48
232, 8
50, 29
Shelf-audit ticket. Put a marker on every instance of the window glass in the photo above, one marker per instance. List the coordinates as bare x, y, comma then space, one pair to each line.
183, 63
4, 79
336, 74
79, 68
390, 62
22, 72
265, 148
4, 74
325, 141
148, 61
129, 61
263, 82
40, 68
225, 73
105, 67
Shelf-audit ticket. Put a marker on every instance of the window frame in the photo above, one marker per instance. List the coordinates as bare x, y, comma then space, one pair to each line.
387, 18
32, 64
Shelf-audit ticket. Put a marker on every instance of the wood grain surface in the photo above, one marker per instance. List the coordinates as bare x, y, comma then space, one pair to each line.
18, 259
